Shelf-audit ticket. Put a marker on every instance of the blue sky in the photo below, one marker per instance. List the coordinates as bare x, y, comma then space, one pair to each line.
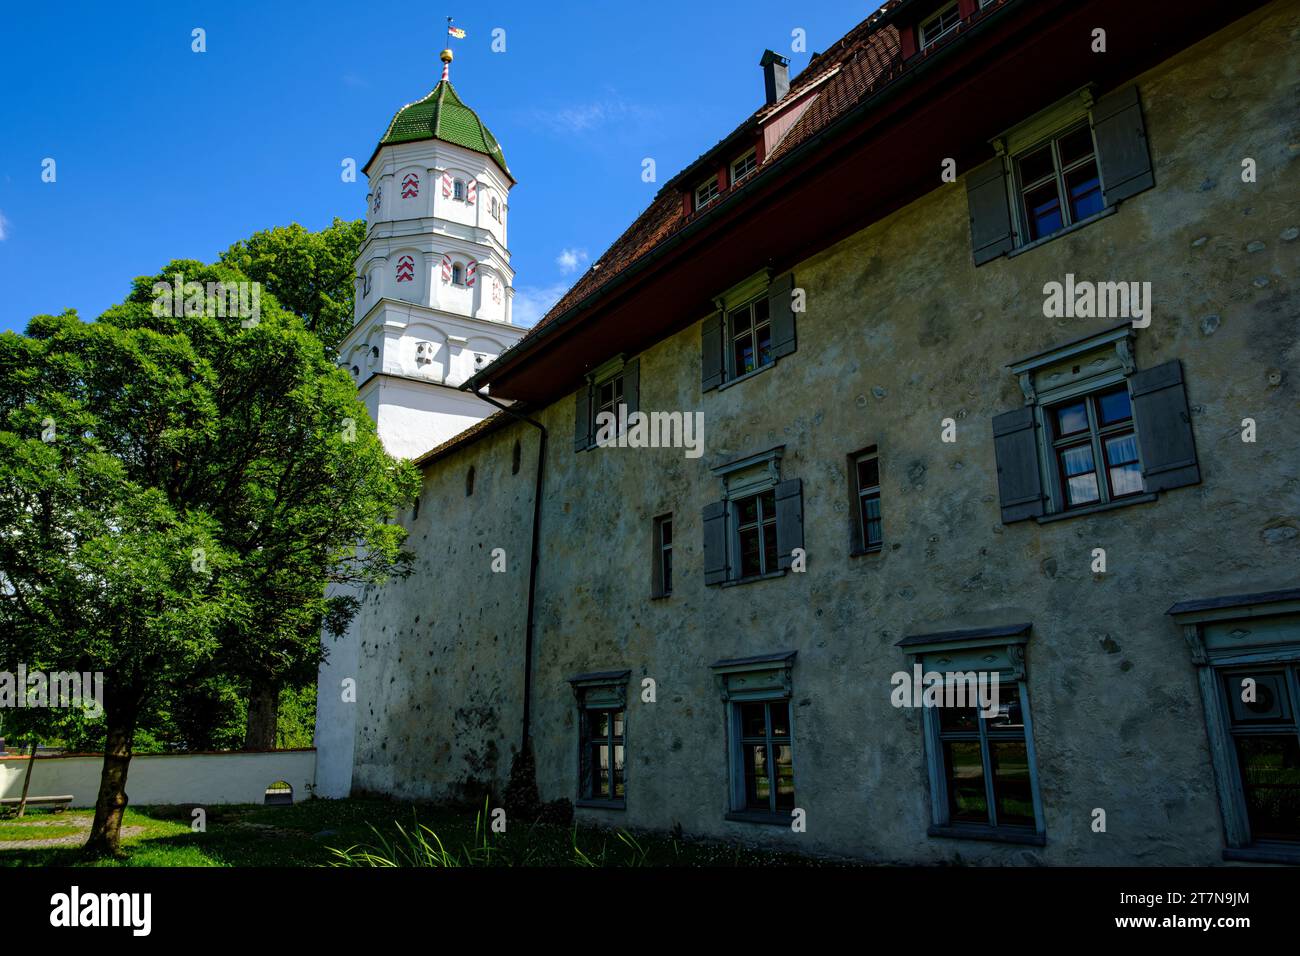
165, 153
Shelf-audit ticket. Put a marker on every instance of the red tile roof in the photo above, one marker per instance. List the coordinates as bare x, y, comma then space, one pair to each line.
859, 60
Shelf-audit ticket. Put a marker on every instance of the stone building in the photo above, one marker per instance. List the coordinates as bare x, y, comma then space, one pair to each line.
990, 315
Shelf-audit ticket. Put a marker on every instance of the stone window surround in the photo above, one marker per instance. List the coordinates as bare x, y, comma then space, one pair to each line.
1001, 647
1214, 648
765, 678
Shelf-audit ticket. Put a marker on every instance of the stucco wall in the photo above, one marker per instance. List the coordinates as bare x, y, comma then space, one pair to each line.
166, 778
901, 332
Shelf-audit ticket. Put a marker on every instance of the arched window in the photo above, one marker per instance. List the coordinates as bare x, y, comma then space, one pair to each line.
457, 274
458, 190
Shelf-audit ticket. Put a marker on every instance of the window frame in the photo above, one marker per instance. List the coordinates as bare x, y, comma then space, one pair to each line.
661, 580
730, 338
714, 193
1001, 649
1089, 366
597, 693
1058, 176
923, 40
1212, 631
764, 679
754, 475
862, 543
459, 190
737, 179
458, 276
1095, 437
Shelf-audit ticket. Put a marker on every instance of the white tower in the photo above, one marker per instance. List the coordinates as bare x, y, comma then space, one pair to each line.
434, 283
433, 298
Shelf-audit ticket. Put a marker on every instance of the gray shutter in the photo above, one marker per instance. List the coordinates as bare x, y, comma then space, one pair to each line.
781, 309
582, 418
789, 520
632, 385
990, 215
1164, 427
711, 352
1020, 484
715, 542
1122, 145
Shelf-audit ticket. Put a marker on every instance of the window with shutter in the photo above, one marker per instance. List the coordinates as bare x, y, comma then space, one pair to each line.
753, 329
610, 388
1095, 432
752, 533
1067, 166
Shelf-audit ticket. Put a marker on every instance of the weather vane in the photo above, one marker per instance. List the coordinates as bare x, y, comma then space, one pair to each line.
455, 33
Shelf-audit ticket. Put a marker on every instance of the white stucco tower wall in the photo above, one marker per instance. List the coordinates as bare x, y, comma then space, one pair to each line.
434, 289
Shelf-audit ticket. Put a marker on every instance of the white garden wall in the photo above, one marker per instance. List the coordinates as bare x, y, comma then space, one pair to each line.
208, 778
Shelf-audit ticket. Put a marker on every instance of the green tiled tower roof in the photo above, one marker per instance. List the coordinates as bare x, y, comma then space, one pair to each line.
443, 115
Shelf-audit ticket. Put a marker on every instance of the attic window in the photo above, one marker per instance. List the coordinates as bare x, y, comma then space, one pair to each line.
706, 193
744, 167
939, 26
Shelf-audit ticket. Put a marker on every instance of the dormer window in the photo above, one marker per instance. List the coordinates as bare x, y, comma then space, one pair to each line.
705, 193
939, 26
744, 167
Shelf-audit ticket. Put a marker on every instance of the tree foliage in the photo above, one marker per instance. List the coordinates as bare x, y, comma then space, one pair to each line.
176, 493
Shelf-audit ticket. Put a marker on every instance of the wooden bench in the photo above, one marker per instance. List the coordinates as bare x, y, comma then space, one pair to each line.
58, 804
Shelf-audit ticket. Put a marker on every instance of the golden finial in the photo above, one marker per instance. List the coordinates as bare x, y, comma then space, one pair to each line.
445, 56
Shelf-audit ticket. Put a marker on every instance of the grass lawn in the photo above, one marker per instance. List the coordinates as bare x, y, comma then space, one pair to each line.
302, 835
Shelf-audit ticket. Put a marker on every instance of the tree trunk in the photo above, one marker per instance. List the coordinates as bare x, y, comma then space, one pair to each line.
110, 806
27, 778
263, 715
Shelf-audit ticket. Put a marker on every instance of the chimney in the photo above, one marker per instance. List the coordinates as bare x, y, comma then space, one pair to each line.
776, 75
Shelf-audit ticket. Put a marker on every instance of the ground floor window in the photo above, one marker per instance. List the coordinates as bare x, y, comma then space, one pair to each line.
979, 742
602, 730
760, 737
1247, 652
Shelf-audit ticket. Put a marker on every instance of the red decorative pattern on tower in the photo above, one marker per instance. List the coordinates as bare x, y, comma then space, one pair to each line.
405, 269
446, 267
446, 185
470, 270
471, 191
410, 186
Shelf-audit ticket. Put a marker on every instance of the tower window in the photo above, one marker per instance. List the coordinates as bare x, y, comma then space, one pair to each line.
469, 481
458, 274
514, 459
458, 190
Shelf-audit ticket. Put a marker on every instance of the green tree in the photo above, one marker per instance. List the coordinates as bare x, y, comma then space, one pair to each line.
310, 273
178, 491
